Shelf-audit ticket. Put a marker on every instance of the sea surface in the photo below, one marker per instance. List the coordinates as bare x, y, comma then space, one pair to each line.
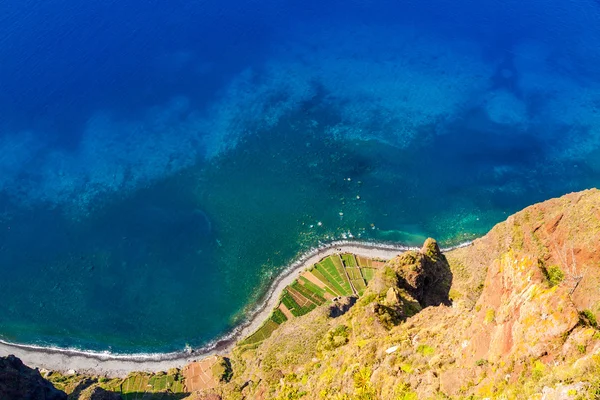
161, 162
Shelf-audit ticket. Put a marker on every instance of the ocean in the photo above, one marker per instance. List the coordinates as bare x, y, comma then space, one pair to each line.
161, 162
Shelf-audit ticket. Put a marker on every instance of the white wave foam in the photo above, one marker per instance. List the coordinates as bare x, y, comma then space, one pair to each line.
252, 316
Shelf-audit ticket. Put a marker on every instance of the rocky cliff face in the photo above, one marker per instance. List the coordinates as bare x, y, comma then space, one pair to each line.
19, 382
511, 316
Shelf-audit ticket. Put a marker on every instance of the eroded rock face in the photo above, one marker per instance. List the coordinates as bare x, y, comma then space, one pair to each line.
341, 306
519, 315
19, 382
425, 274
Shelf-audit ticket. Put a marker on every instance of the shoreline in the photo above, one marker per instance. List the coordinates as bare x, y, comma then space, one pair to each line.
119, 365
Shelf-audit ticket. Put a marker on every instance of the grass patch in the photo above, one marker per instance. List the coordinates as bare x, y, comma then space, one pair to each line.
337, 261
312, 287
360, 286
357, 279
139, 386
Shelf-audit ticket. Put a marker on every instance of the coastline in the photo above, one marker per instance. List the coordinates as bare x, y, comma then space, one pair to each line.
119, 365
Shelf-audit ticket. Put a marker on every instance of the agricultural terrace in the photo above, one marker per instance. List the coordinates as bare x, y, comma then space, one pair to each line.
333, 276
136, 386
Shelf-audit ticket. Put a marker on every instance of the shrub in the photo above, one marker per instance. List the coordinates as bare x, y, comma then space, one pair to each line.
404, 392
554, 274
334, 338
481, 362
490, 316
588, 318
362, 384
407, 368
538, 370
425, 350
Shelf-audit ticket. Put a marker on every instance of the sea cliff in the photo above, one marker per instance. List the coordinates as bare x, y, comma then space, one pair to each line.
513, 315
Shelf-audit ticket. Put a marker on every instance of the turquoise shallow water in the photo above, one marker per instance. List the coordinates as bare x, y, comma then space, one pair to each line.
147, 198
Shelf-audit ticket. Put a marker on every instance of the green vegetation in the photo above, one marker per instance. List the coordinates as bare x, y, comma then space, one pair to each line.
336, 272
308, 293
362, 384
554, 274
333, 287
222, 370
261, 334
331, 275
314, 288
357, 279
278, 316
335, 338
349, 260
296, 309
368, 274
145, 386
303, 296
337, 261
588, 318
404, 392
135, 386
425, 350
538, 370
490, 316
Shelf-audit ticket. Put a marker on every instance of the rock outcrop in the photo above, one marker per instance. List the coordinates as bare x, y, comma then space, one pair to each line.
424, 274
19, 382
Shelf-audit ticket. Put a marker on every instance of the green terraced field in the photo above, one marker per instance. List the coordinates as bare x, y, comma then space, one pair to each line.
296, 309
357, 280
349, 260
308, 293
336, 275
364, 262
262, 333
331, 280
332, 288
278, 316
314, 288
154, 387
368, 273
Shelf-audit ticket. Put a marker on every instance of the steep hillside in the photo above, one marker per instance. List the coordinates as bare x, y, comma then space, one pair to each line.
511, 316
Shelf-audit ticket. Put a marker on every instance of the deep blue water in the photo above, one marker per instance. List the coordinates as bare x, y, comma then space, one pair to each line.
161, 161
